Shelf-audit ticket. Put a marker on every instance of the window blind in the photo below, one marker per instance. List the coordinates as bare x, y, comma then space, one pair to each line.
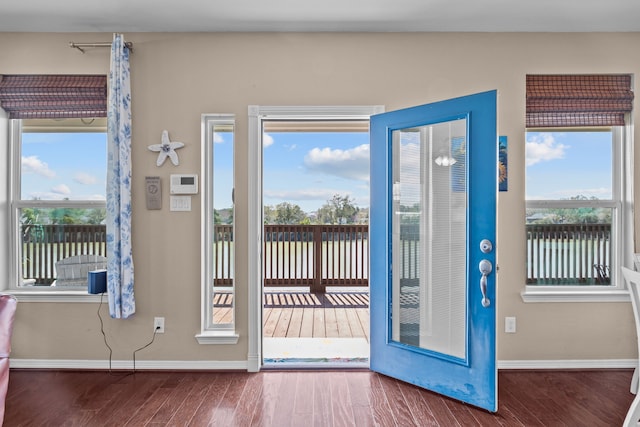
578, 100
53, 96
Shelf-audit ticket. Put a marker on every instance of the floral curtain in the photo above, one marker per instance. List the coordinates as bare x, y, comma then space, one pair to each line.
119, 253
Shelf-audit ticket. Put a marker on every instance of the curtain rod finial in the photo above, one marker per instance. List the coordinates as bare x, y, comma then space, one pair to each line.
74, 46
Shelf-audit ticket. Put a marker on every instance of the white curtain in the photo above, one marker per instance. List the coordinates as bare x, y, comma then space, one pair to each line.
119, 253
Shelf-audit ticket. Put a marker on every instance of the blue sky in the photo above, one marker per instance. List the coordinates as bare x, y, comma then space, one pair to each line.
50, 173
565, 164
308, 168
302, 168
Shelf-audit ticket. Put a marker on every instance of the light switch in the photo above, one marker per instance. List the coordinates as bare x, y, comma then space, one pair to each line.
180, 203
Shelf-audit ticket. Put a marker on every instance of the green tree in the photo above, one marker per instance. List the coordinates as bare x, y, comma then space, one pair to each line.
30, 216
216, 217
69, 215
30, 220
287, 213
269, 214
579, 215
96, 215
338, 210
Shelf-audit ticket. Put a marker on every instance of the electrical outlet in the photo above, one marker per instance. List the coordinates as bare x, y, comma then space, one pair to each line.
158, 325
510, 325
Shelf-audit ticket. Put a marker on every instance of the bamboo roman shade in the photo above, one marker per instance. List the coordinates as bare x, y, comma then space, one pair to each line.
578, 100
53, 96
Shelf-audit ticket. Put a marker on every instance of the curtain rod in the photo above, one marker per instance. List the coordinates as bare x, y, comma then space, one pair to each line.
80, 46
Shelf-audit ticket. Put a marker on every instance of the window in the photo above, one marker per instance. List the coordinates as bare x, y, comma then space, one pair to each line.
56, 151
577, 192
58, 193
218, 247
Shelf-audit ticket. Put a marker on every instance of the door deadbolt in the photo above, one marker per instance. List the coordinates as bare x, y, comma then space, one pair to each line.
486, 246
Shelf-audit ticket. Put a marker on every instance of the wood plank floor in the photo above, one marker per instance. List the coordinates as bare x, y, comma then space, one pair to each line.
306, 398
316, 323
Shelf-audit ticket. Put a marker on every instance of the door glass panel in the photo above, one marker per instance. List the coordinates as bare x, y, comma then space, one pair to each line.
429, 251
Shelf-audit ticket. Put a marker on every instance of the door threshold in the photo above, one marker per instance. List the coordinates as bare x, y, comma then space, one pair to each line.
309, 353
310, 363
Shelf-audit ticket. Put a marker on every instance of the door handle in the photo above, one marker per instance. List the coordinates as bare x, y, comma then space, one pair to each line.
485, 268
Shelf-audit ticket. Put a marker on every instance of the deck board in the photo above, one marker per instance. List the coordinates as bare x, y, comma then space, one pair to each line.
295, 325
319, 329
283, 322
306, 329
305, 315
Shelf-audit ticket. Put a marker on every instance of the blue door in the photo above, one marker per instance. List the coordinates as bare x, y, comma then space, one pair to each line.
432, 238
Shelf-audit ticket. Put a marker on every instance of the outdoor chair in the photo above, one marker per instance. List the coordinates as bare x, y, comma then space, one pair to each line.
8, 304
602, 274
73, 270
633, 283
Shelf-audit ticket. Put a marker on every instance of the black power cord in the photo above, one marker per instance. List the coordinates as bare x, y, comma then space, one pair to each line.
104, 336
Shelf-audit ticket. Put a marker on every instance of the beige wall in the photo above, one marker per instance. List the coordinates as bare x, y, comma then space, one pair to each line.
177, 77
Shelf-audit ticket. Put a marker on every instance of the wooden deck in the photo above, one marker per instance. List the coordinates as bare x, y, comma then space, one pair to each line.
305, 315
316, 323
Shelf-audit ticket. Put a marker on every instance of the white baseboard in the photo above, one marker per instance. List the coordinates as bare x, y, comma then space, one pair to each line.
170, 365
568, 364
253, 365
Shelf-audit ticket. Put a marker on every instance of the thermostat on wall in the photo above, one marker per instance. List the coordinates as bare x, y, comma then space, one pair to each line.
184, 183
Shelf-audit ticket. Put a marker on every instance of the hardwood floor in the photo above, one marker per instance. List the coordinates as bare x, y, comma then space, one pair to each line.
306, 398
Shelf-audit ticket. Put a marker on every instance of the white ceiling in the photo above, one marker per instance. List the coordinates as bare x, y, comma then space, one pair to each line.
318, 15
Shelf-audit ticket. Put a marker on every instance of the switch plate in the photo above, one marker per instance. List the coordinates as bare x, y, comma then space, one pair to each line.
510, 325
180, 203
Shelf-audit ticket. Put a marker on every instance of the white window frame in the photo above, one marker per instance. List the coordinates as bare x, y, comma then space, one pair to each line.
211, 333
621, 229
15, 203
5, 244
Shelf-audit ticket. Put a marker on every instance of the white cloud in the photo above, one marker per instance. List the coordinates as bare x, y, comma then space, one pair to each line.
217, 138
61, 189
267, 140
85, 178
542, 148
349, 164
304, 194
32, 164
60, 194
599, 193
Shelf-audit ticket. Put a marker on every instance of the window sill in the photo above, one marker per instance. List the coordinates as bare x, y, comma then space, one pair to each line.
218, 337
534, 294
24, 295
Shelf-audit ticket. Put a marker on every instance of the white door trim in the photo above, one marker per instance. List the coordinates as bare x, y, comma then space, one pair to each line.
257, 113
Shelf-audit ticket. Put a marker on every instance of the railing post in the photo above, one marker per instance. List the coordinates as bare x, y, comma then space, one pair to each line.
317, 286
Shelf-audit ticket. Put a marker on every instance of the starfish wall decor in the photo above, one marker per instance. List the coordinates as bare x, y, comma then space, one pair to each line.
167, 149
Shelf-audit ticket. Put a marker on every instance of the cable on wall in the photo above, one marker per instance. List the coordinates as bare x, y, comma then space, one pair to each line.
104, 335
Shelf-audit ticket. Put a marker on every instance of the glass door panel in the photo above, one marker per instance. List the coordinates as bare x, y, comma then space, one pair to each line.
429, 237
